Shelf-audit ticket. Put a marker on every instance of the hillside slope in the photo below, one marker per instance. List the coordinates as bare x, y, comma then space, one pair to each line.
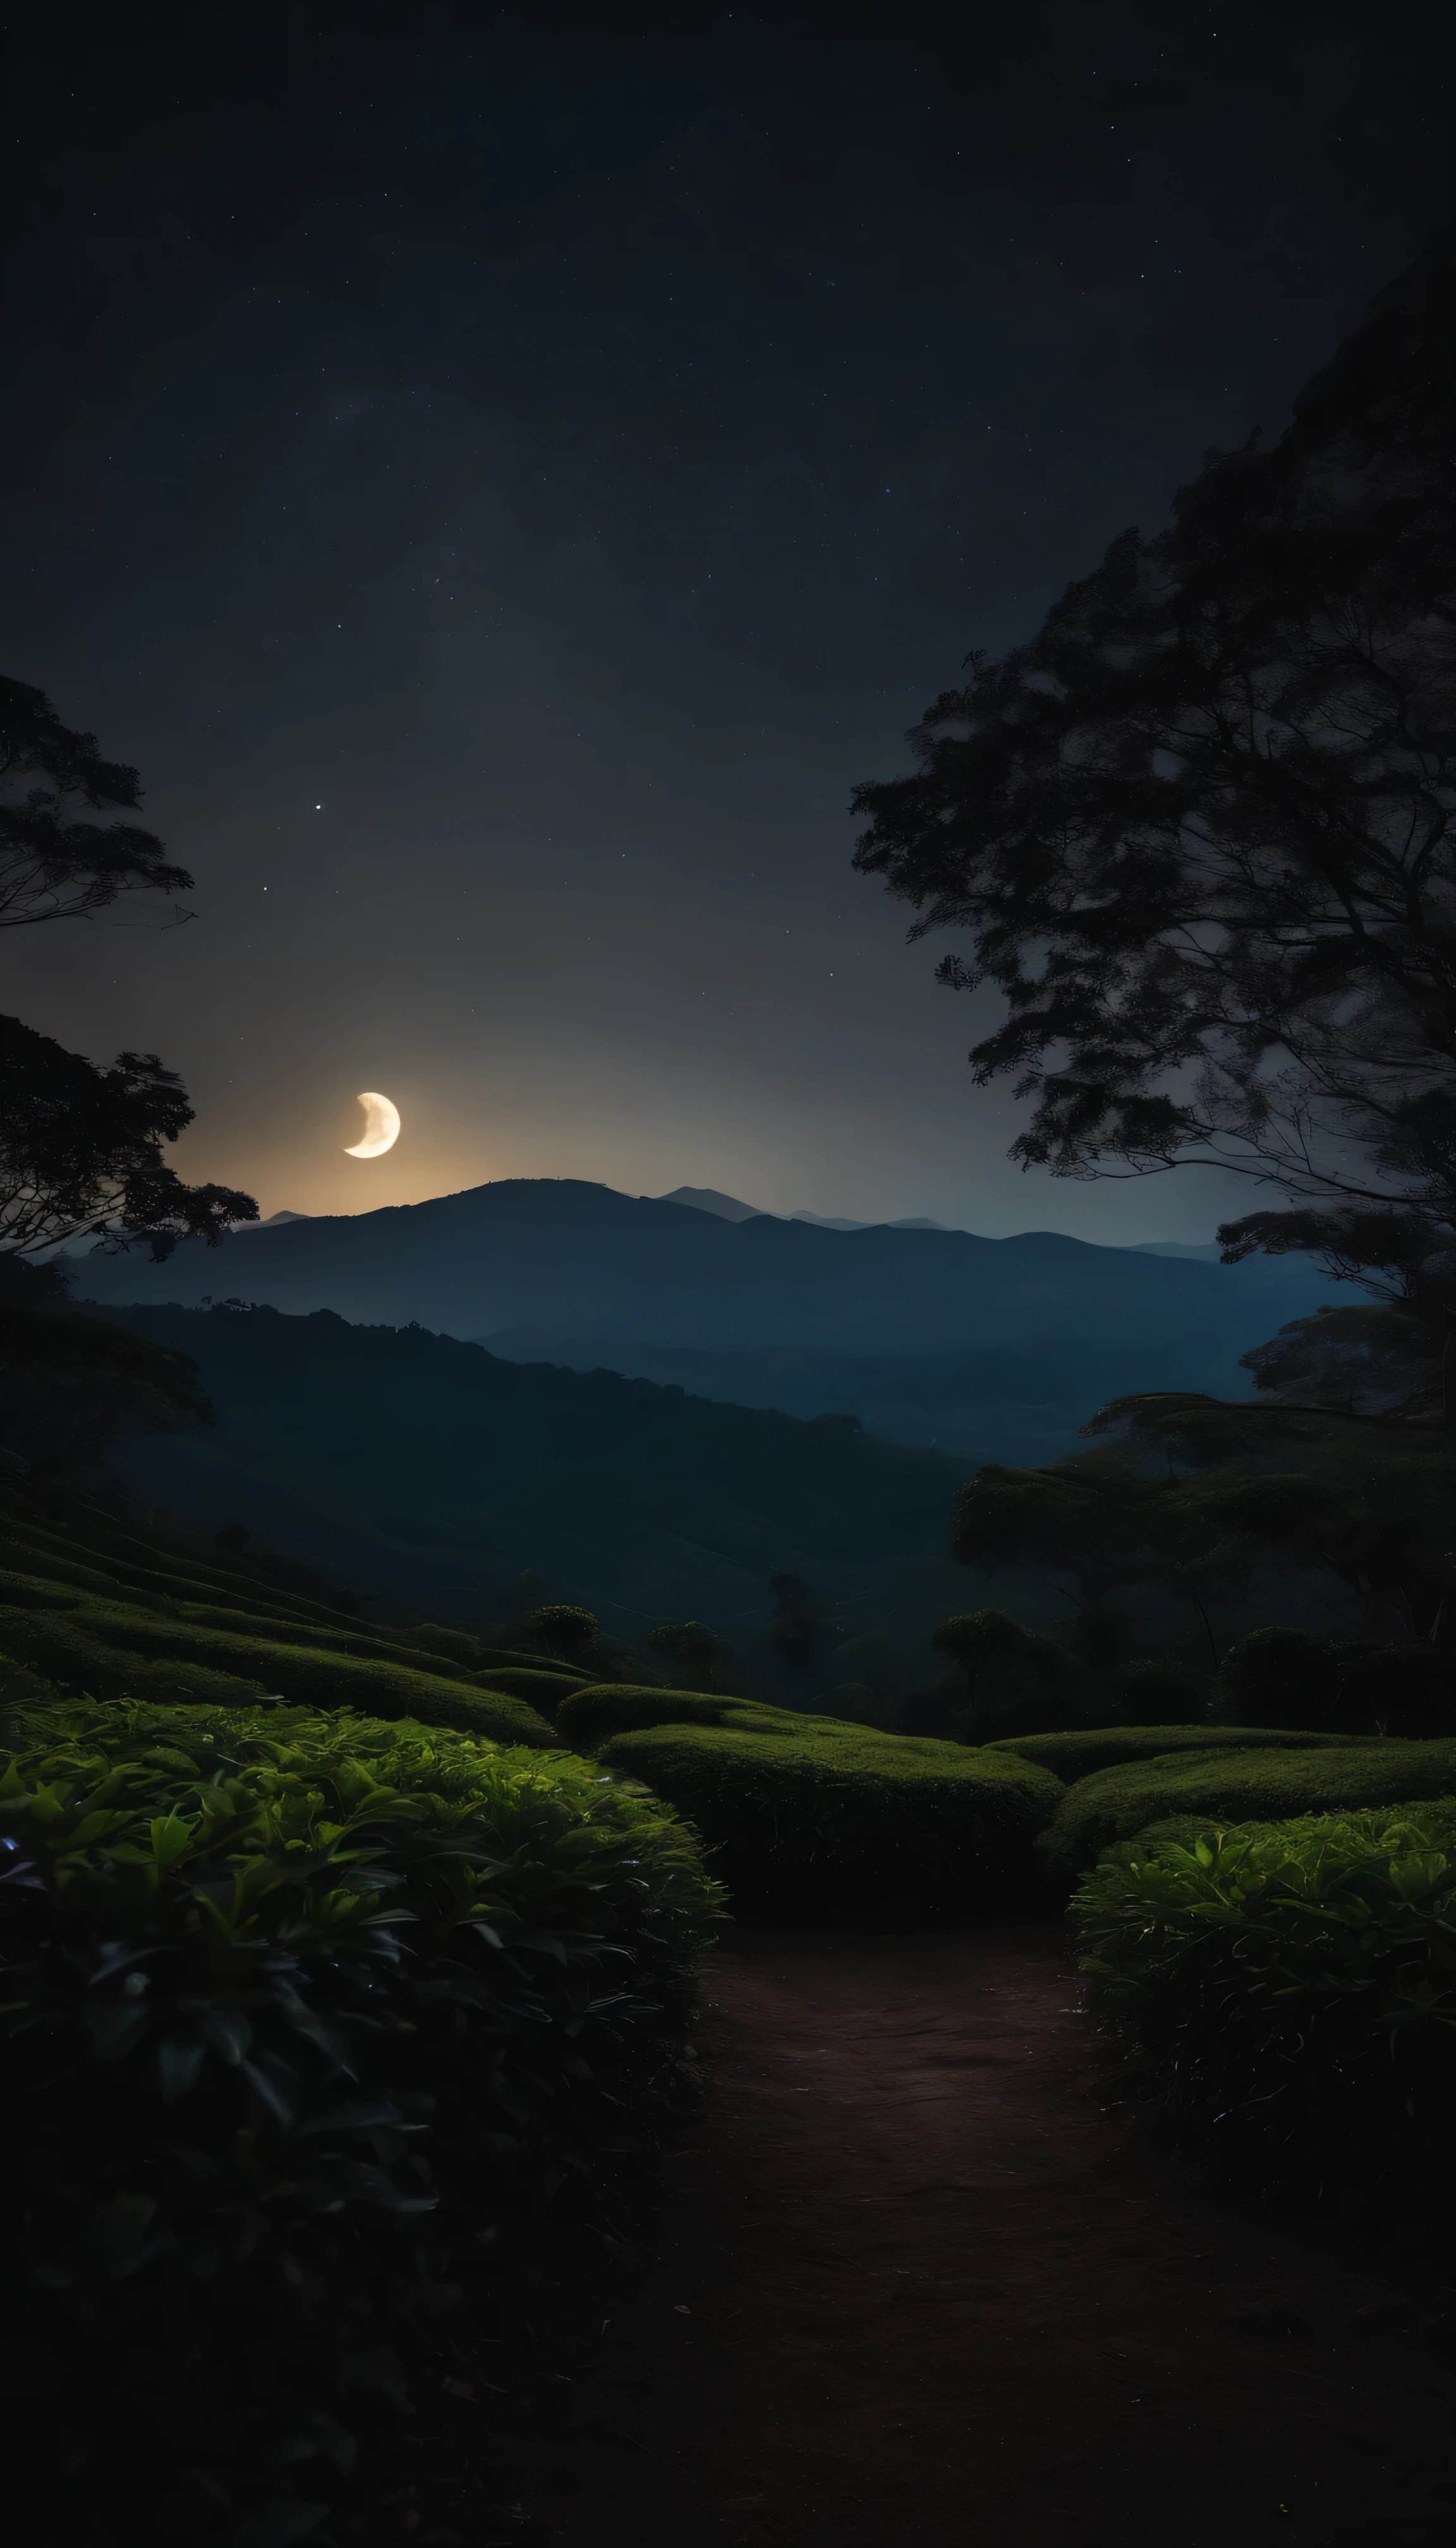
429, 1472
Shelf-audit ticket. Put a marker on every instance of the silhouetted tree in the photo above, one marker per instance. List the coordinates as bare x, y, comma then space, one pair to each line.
70, 1383
1203, 827
1199, 1508
563, 1628
1015, 1681
1368, 1360
80, 1152
55, 862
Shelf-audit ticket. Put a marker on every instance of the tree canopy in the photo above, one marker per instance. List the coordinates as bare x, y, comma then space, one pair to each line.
1203, 827
57, 862
80, 1152
1197, 1497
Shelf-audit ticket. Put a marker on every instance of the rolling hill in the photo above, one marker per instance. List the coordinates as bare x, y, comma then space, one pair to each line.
435, 1477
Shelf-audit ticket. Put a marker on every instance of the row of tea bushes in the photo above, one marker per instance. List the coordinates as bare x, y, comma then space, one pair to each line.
179, 1621
1292, 1987
1081, 1750
311, 2022
1269, 1784
810, 1816
813, 1817
112, 1649
852, 1825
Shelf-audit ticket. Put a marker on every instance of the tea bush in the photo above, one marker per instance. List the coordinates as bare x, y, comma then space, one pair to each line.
462, 1648
1272, 1785
541, 1685
845, 1822
1293, 1988
1078, 1751
95, 1647
592, 1717
301, 2011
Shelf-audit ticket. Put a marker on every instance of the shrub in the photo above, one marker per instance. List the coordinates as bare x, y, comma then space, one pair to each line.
313, 1633
845, 1822
1081, 1750
95, 1649
564, 1628
132, 1569
603, 1708
532, 1682
458, 1646
256, 2124
1293, 1989
1266, 1786
454, 1643
591, 1716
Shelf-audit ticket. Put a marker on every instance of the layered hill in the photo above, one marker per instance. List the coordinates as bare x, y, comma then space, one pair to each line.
435, 1476
577, 1274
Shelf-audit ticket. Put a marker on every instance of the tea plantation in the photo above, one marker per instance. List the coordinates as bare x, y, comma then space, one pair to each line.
96, 1608
380, 1946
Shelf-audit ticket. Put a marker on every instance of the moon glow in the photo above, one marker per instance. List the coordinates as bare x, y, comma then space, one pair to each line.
381, 1127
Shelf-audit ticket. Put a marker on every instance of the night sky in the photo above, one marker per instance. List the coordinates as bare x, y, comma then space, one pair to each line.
504, 474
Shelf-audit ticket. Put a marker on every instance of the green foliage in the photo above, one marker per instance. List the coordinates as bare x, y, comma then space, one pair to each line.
539, 1684
1077, 1751
473, 1655
1269, 1785
1291, 1990
95, 1647
456, 1644
82, 1544
94, 1613
591, 1716
563, 1628
844, 1822
354, 1998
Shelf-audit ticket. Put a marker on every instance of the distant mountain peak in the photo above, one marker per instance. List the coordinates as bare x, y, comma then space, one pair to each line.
728, 1208
723, 1207
821, 1220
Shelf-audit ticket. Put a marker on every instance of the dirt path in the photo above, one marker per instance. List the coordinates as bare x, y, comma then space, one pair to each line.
920, 2291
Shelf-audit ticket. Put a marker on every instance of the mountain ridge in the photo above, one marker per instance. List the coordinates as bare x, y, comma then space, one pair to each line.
569, 1257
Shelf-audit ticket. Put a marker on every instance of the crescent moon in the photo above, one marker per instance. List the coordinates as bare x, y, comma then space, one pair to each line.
381, 1130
